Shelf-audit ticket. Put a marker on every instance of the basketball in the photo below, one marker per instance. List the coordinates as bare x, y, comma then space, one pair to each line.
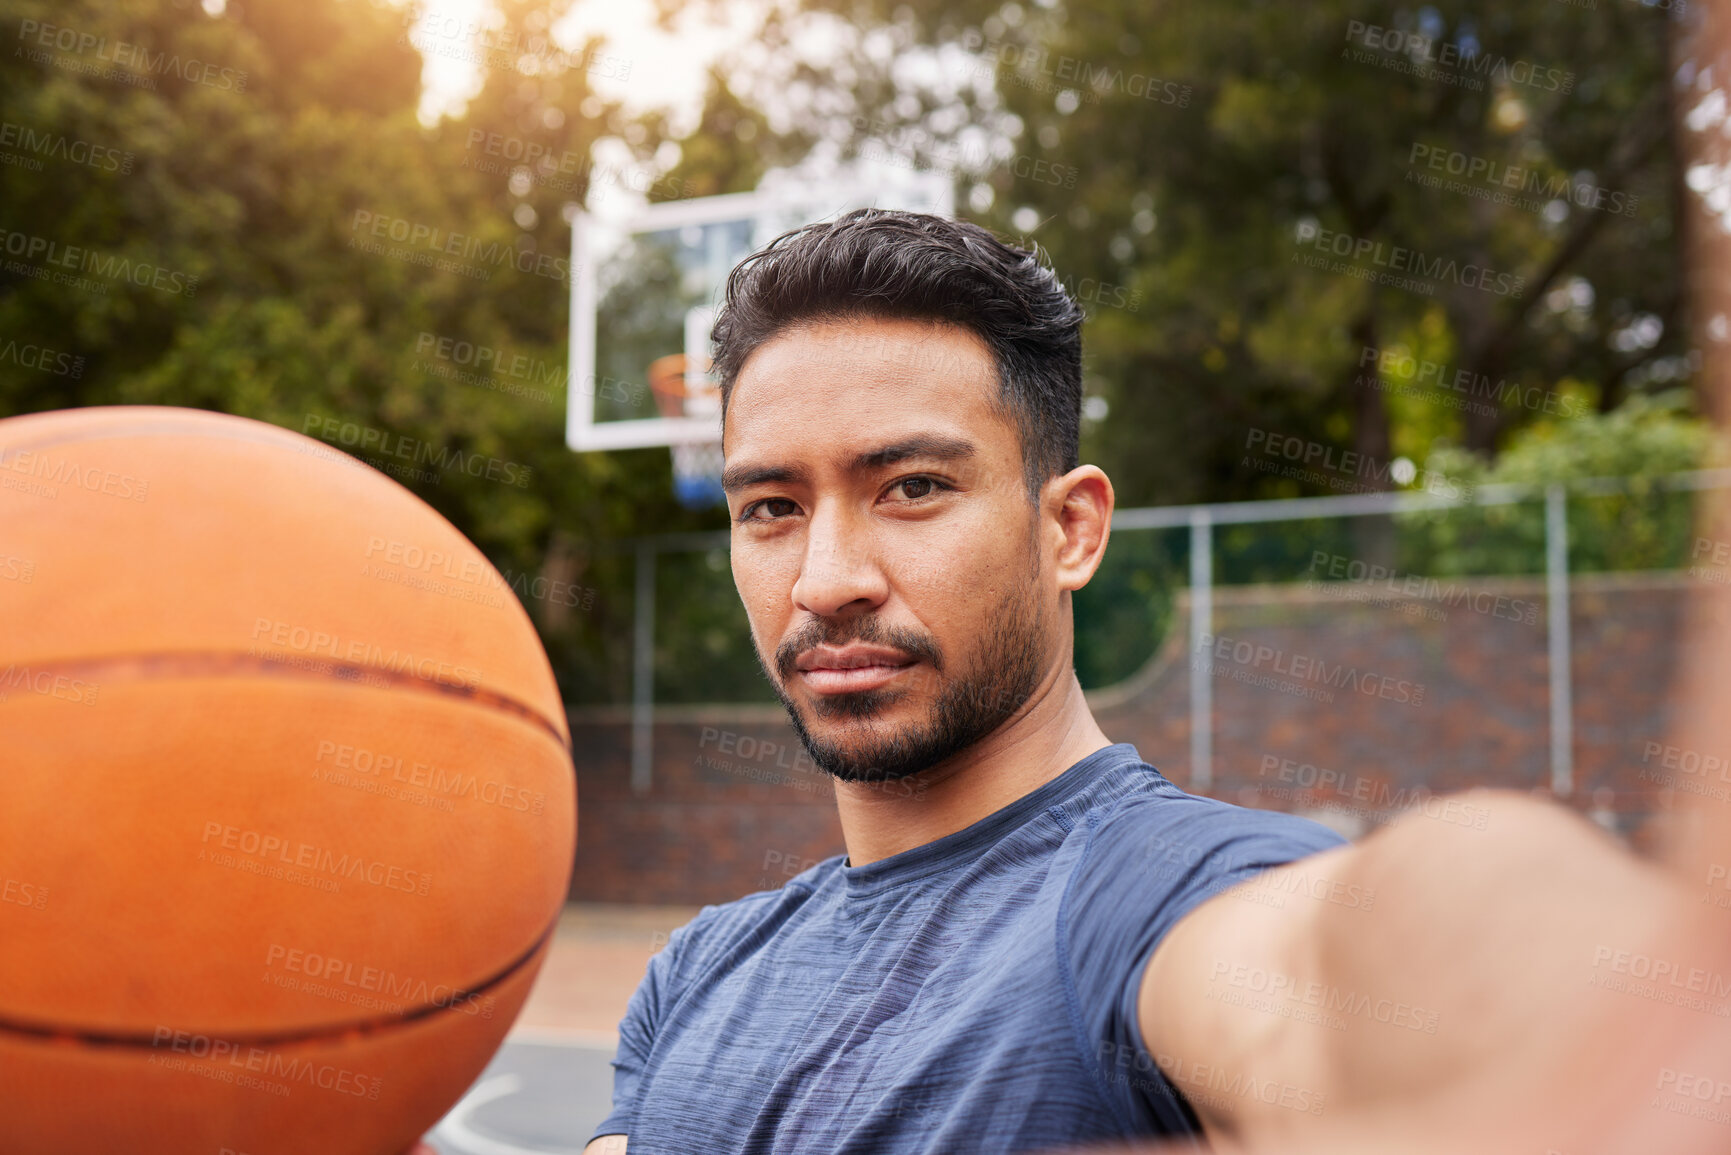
287, 814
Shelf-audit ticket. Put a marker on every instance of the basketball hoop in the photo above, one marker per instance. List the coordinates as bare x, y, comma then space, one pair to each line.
646, 285
677, 380
683, 388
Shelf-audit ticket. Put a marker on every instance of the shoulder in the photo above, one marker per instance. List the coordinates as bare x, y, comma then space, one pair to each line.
1153, 847
1150, 855
1163, 828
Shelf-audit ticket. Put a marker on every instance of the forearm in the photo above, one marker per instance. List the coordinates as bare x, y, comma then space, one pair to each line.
1433, 973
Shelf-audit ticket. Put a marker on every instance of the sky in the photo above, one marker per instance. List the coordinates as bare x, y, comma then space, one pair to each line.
665, 70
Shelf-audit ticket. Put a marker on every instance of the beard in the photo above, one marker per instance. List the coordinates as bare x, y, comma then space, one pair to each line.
1000, 674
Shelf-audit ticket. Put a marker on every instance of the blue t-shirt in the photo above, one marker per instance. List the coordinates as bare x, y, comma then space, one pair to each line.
975, 994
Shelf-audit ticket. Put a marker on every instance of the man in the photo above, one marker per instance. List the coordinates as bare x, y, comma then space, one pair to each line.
1034, 939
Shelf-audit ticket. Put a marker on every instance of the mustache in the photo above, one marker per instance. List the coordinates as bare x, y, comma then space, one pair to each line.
870, 631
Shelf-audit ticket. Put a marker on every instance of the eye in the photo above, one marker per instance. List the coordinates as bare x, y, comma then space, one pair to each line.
778, 507
918, 488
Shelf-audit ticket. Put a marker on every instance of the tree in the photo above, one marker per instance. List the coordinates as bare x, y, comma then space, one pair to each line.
313, 255
1182, 161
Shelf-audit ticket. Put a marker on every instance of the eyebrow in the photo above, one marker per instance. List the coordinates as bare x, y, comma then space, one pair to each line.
921, 445
743, 476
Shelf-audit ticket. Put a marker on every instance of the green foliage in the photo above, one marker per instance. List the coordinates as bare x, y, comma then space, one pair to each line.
731, 148
1646, 528
1175, 154
257, 191
266, 183
1123, 614
707, 657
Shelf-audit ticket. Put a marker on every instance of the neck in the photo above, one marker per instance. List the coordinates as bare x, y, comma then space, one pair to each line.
1052, 731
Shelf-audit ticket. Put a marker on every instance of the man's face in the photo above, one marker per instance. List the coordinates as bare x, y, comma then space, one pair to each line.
884, 543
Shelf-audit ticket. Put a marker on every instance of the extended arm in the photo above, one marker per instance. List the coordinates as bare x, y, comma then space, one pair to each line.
1431, 987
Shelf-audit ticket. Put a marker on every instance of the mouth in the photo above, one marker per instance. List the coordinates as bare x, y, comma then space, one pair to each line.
851, 679
850, 669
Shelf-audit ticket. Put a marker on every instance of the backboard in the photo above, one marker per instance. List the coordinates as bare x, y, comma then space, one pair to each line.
646, 283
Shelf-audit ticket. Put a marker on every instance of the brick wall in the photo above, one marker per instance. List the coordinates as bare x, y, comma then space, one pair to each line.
1335, 700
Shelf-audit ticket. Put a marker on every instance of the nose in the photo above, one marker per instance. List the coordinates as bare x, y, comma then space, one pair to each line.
838, 574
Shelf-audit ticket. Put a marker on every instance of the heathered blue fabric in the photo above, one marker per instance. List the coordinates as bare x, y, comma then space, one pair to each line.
976, 994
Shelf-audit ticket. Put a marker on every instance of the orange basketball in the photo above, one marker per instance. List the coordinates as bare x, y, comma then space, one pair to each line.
286, 808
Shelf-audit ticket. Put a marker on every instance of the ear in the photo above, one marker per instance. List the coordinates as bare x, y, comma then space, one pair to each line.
1077, 517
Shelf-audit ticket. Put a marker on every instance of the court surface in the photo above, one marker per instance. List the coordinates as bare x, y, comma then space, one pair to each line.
550, 1084
535, 1096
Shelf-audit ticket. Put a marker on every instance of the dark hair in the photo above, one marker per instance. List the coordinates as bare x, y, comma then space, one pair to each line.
874, 262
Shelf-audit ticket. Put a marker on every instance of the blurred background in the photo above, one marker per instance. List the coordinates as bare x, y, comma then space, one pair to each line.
1389, 355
